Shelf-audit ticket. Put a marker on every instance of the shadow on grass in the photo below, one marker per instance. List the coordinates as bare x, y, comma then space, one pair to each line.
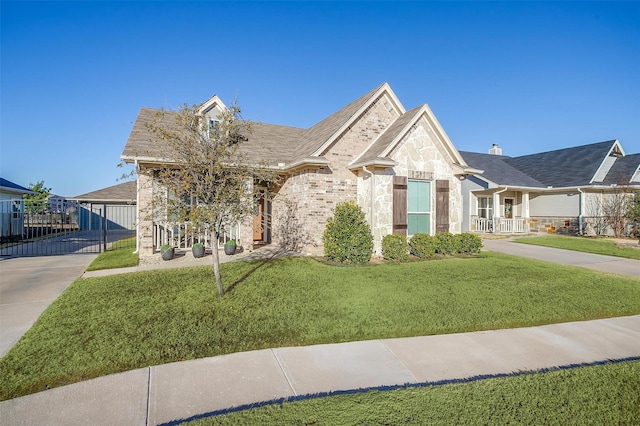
264, 259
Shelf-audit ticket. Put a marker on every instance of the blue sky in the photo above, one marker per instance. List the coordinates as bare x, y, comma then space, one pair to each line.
531, 76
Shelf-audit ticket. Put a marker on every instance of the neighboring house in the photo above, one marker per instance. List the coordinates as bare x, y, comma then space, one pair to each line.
57, 204
11, 209
113, 207
398, 165
561, 191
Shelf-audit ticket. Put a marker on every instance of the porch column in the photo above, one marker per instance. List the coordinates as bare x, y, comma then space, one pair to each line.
496, 205
525, 205
145, 214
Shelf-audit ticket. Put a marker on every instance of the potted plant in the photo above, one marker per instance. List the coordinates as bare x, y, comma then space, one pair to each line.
198, 250
167, 252
230, 247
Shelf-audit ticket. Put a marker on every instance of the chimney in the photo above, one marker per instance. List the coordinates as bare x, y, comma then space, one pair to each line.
495, 150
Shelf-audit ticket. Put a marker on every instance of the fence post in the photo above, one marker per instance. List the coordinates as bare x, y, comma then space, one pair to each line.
104, 227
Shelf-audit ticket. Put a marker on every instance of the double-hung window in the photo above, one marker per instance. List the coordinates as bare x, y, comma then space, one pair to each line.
419, 207
485, 207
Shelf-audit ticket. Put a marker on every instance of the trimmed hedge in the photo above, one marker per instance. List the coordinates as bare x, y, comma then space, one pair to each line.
423, 245
469, 243
347, 237
447, 243
395, 247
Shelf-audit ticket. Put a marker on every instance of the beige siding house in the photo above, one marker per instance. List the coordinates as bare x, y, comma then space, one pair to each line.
562, 191
399, 166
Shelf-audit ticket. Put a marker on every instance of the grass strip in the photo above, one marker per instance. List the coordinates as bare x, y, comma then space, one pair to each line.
116, 323
584, 244
598, 395
119, 255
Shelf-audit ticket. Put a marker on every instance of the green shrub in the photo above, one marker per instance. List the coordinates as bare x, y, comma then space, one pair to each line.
469, 243
347, 237
422, 245
395, 247
446, 243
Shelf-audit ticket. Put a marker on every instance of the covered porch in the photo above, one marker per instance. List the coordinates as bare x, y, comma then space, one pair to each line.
500, 211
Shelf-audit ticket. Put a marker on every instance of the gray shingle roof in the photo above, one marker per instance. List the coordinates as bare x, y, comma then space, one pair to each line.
568, 167
622, 170
123, 192
497, 170
564, 167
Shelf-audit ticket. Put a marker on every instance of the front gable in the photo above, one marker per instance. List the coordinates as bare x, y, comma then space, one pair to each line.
361, 130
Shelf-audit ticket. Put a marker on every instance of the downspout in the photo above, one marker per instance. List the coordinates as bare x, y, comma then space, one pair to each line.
580, 211
371, 184
137, 208
497, 207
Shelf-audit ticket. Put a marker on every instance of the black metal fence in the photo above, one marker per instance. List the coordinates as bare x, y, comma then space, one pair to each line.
31, 229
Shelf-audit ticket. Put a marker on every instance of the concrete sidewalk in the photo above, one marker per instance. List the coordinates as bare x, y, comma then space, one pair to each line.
616, 265
167, 393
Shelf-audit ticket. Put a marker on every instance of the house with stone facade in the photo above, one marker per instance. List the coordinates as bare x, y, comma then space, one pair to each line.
560, 191
399, 166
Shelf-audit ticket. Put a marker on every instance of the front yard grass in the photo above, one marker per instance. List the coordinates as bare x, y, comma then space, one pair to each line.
119, 255
595, 395
604, 246
110, 324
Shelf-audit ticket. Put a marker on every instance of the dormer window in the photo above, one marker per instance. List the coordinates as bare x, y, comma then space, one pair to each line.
213, 124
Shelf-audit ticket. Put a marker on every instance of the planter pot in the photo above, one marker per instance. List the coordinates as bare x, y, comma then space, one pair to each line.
229, 249
168, 254
197, 251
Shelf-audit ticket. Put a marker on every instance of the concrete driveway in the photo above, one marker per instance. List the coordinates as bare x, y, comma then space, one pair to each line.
28, 285
598, 262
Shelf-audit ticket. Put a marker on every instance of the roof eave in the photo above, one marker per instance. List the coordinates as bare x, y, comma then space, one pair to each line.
378, 162
318, 162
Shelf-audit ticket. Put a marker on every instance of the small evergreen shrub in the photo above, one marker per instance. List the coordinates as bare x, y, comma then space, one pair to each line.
422, 245
395, 247
347, 237
446, 243
469, 243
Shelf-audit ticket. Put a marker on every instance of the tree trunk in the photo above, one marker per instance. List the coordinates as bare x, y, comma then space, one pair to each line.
216, 262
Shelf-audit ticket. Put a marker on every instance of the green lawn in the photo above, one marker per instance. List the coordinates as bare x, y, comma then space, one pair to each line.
119, 255
116, 323
595, 395
585, 244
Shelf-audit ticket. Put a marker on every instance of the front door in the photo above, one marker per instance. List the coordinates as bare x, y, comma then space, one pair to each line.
258, 219
508, 208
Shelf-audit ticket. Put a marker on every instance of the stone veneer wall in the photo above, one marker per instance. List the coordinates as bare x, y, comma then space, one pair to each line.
554, 225
421, 154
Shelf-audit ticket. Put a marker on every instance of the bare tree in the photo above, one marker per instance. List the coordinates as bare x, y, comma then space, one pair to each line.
611, 210
207, 175
633, 214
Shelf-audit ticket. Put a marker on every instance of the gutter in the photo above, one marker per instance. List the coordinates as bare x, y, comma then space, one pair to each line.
372, 185
495, 208
580, 211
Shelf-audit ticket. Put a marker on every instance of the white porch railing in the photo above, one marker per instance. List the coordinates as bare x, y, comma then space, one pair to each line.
502, 225
483, 225
180, 236
512, 226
